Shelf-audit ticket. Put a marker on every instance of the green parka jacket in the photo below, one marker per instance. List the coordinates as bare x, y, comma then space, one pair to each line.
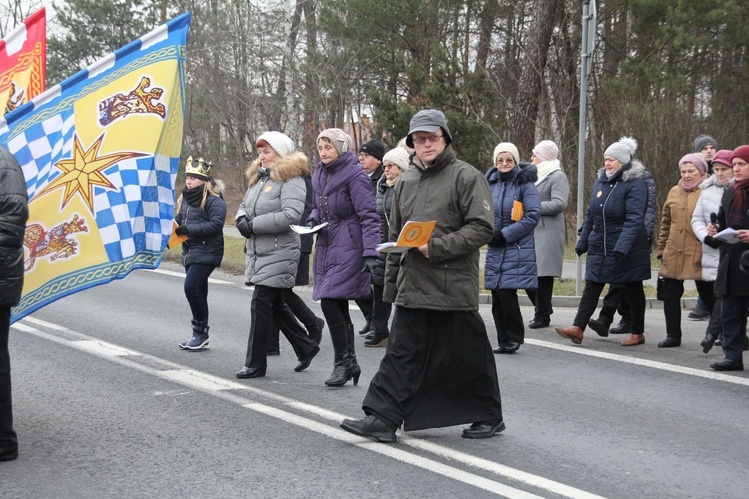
457, 196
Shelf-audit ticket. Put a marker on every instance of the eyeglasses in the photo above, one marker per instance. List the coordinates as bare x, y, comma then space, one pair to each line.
431, 138
508, 161
363, 155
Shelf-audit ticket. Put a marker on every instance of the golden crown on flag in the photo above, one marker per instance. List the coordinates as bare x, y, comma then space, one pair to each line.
201, 170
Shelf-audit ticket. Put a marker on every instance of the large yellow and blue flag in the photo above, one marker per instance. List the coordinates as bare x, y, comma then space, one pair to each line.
100, 154
23, 62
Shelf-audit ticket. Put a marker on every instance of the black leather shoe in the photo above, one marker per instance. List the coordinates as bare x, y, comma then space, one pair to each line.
728, 365
699, 314
250, 372
510, 347
538, 323
707, 342
370, 427
621, 328
8, 454
600, 327
305, 362
670, 342
500, 348
369, 335
486, 429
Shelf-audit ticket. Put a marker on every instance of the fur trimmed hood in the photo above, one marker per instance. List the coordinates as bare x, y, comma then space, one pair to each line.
218, 186
634, 172
711, 181
292, 165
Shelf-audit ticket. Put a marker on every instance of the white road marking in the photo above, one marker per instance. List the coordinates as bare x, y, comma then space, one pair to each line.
712, 375
221, 388
182, 275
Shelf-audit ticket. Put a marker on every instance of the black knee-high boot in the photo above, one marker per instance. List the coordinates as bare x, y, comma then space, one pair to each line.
339, 338
354, 371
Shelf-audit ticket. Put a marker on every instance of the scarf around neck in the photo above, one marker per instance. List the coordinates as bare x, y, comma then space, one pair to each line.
194, 196
737, 209
693, 185
546, 168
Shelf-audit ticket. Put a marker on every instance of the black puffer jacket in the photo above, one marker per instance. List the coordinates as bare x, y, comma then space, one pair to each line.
205, 230
14, 212
384, 201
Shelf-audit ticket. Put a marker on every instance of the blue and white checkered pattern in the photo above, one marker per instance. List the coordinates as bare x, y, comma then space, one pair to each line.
138, 215
41, 146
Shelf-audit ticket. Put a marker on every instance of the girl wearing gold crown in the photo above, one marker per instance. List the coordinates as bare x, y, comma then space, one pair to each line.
200, 216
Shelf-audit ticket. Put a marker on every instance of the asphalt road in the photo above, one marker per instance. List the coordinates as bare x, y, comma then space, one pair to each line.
106, 405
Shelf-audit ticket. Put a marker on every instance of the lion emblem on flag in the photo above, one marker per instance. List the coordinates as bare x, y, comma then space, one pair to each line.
138, 101
55, 243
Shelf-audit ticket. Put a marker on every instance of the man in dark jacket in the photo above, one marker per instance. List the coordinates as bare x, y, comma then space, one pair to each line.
439, 370
370, 157
14, 213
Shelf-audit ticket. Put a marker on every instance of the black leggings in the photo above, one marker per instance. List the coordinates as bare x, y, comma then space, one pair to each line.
335, 311
196, 290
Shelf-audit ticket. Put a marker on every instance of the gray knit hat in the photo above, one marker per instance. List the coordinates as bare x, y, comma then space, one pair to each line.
702, 140
428, 120
340, 139
623, 150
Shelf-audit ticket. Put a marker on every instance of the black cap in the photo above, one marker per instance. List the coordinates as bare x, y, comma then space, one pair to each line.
373, 148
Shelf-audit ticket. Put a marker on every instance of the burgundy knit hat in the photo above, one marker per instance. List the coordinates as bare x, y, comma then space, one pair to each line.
741, 152
723, 157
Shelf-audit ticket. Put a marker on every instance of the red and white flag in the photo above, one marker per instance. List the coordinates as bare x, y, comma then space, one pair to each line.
23, 62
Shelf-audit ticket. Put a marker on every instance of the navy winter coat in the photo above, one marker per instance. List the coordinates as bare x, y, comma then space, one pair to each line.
344, 198
614, 223
513, 264
205, 230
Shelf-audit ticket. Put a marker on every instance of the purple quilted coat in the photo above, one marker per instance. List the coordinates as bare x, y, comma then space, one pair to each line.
343, 198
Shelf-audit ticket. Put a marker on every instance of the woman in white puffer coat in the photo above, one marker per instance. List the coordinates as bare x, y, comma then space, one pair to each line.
708, 204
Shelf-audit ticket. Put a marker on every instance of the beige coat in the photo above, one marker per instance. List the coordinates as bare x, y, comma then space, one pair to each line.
678, 248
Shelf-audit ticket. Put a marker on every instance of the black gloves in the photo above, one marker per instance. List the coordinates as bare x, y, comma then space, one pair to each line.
498, 239
310, 223
181, 230
244, 227
579, 251
369, 264
712, 242
744, 262
619, 256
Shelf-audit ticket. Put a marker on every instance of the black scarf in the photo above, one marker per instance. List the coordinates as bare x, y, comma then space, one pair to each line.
194, 196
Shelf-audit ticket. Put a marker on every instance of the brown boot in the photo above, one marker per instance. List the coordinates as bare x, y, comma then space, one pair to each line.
633, 339
573, 333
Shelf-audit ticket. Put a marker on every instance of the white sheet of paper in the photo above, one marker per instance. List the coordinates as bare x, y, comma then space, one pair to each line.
728, 235
302, 229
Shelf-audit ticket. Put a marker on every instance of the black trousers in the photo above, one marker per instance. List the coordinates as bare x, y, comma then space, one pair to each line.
196, 289
335, 311
438, 370
8, 439
589, 303
541, 298
267, 306
380, 312
615, 300
366, 305
507, 316
300, 310
733, 318
672, 291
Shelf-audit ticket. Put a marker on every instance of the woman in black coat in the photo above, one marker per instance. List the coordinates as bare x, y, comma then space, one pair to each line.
201, 213
615, 238
395, 162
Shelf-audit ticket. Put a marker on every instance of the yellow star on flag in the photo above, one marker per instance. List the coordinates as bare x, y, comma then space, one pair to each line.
84, 170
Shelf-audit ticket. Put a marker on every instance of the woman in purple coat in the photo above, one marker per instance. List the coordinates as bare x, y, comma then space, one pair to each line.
345, 254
